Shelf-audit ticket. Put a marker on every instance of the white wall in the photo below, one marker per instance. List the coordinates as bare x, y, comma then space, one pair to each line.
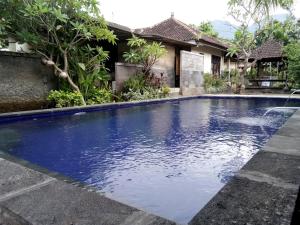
208, 52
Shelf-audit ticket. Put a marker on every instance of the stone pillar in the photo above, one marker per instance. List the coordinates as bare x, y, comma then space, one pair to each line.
191, 73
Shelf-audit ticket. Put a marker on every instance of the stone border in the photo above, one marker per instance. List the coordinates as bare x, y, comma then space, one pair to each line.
265, 190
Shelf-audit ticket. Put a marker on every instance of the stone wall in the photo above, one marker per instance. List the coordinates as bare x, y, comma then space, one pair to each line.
191, 73
24, 82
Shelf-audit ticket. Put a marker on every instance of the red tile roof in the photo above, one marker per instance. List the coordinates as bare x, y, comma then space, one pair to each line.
179, 31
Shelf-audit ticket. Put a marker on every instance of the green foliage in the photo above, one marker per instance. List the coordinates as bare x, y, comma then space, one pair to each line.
135, 83
65, 98
89, 65
207, 28
284, 32
138, 87
3, 35
59, 30
99, 96
142, 52
213, 84
251, 74
292, 52
165, 90
143, 94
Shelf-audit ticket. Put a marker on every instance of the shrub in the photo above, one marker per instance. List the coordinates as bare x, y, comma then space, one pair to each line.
144, 94
135, 83
99, 96
213, 84
65, 98
165, 90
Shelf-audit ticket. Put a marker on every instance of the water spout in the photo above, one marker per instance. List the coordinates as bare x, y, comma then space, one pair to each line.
283, 107
294, 92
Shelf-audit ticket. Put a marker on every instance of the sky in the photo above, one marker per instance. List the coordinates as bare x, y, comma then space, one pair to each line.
143, 13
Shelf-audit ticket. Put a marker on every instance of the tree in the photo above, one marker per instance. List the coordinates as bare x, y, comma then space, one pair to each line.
142, 52
267, 4
292, 52
245, 13
55, 29
284, 32
207, 28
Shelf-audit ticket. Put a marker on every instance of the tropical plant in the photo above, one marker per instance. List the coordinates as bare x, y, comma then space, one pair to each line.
99, 96
206, 28
292, 52
283, 32
144, 53
65, 98
88, 63
56, 29
213, 84
143, 94
135, 83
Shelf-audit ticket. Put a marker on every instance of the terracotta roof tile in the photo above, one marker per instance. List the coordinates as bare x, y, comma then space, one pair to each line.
179, 31
268, 50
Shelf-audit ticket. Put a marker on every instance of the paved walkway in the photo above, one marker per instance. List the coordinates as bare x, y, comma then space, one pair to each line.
265, 190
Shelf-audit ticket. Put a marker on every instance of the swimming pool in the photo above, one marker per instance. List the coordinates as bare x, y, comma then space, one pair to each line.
169, 158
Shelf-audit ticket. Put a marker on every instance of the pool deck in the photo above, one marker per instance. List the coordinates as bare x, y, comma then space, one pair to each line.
28, 197
263, 192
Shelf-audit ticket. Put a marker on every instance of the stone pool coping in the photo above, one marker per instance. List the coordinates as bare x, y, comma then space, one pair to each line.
30, 197
263, 192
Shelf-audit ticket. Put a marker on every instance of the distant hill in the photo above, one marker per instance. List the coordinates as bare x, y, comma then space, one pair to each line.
226, 30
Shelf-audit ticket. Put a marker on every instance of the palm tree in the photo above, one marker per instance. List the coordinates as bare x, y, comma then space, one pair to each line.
267, 4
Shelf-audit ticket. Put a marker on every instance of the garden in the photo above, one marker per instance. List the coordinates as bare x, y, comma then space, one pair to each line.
65, 34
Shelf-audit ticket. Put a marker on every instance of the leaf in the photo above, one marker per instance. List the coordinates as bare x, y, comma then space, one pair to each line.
58, 27
82, 66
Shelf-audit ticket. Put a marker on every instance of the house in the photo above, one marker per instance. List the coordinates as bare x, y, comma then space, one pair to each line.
178, 38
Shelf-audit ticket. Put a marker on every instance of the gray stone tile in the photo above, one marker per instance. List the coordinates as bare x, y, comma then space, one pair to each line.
289, 130
8, 217
14, 177
243, 201
282, 166
284, 145
62, 203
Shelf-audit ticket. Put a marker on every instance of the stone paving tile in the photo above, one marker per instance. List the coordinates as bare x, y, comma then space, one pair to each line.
282, 166
7, 217
246, 202
62, 203
14, 177
283, 145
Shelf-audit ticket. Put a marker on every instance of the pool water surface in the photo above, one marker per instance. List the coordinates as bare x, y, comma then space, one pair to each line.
169, 159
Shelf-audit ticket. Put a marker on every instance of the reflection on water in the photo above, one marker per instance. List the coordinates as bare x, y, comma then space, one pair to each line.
168, 159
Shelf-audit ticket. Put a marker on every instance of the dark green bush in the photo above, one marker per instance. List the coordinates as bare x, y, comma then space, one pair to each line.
99, 96
137, 88
135, 83
65, 98
213, 84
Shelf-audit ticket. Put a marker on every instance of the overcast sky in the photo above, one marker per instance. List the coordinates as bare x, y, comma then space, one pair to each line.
143, 13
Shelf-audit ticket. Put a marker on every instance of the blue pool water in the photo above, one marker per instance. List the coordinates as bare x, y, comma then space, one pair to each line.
169, 159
